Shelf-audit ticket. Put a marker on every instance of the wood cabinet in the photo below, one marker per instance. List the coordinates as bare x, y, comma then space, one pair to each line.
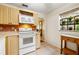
12, 45
65, 49
3, 14
36, 19
14, 16
8, 15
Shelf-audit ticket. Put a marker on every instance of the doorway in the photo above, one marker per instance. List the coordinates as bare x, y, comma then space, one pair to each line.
41, 23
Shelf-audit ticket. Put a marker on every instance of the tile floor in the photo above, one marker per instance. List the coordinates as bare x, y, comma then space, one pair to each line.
45, 49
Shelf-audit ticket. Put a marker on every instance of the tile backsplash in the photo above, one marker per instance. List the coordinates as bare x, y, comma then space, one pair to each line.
8, 27
5, 27
27, 26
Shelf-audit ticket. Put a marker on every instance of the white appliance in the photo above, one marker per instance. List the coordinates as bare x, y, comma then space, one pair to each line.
2, 46
26, 40
26, 19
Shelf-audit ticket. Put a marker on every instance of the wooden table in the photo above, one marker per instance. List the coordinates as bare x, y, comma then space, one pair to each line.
65, 49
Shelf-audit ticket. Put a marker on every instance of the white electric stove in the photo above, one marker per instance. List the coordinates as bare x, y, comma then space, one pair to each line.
26, 40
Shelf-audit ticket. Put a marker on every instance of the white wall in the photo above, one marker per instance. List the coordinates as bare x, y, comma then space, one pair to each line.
52, 24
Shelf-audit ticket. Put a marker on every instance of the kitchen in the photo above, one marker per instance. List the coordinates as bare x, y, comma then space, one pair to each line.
17, 30
22, 31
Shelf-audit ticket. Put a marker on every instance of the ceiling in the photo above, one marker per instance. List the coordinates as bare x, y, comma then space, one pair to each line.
39, 7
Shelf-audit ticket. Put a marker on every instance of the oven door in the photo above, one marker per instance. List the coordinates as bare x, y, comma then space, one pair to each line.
26, 41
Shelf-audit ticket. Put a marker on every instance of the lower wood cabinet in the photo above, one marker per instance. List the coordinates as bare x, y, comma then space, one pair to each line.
12, 45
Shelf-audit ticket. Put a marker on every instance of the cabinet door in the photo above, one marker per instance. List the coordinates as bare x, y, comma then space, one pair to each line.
12, 45
36, 19
14, 16
3, 14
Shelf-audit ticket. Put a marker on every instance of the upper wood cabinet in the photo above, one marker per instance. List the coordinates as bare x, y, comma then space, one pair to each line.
36, 19
4, 16
8, 15
14, 16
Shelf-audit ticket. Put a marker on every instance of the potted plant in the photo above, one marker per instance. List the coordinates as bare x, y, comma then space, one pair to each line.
77, 20
63, 22
70, 20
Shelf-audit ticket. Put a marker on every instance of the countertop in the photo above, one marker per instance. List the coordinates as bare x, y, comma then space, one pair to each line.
4, 34
70, 34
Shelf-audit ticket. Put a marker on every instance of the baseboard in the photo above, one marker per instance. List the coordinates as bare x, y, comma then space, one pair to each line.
58, 49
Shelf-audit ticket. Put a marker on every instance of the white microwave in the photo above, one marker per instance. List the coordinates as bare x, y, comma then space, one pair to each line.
26, 19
